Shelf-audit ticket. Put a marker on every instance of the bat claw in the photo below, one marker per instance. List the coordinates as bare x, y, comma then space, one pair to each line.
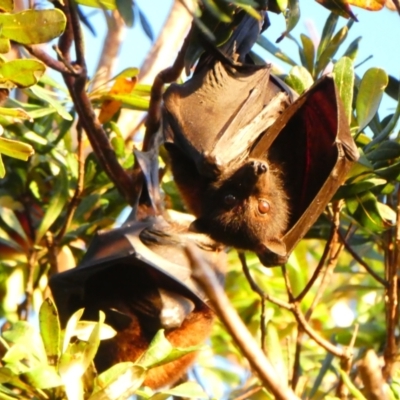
260, 167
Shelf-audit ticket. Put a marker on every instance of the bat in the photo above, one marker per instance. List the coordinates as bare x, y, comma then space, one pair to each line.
140, 277
255, 163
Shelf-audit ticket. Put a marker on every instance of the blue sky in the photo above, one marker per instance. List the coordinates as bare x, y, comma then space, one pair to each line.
380, 32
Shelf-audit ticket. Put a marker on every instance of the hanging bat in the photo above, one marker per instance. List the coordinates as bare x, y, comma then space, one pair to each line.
140, 277
255, 164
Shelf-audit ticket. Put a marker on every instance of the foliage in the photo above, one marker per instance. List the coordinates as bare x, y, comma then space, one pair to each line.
53, 203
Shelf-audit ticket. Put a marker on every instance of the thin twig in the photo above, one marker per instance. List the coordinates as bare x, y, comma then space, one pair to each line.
356, 257
345, 364
248, 393
319, 268
50, 62
260, 292
168, 75
94, 130
235, 326
391, 295
76, 199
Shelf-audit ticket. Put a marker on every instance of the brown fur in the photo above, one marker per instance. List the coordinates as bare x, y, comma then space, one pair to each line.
130, 343
239, 225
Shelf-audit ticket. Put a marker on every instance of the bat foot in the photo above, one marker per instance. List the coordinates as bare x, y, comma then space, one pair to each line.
259, 167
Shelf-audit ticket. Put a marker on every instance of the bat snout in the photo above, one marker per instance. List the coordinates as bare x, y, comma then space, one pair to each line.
259, 167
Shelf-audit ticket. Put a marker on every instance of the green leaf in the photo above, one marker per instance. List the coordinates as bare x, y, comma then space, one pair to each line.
50, 330
292, 17
15, 149
33, 26
71, 327
343, 73
350, 385
15, 113
120, 381
330, 50
393, 88
188, 390
369, 96
125, 9
299, 79
11, 220
44, 95
133, 101
6, 5
158, 350
107, 4
386, 151
352, 50
327, 33
309, 53
84, 329
352, 189
5, 45
2, 168
43, 377
56, 204
367, 212
276, 51
20, 73
24, 334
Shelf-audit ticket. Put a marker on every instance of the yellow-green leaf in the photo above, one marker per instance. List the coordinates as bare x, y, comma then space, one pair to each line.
15, 149
6, 5
20, 73
33, 26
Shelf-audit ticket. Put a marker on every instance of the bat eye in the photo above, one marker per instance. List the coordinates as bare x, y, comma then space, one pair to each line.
263, 206
230, 200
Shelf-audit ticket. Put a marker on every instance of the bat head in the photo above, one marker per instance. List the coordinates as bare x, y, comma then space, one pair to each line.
246, 209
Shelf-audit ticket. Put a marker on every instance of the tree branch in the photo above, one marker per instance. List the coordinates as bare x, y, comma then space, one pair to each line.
235, 326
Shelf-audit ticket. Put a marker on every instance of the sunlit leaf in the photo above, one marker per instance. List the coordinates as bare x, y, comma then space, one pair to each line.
339, 7
24, 334
343, 73
292, 17
372, 5
129, 100
118, 382
330, 50
15, 113
327, 33
50, 330
56, 204
188, 390
43, 94
6, 5
369, 96
309, 53
33, 26
299, 79
20, 73
5, 45
110, 107
43, 377
15, 149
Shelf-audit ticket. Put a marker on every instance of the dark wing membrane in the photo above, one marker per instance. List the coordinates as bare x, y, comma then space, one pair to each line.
311, 141
118, 263
206, 112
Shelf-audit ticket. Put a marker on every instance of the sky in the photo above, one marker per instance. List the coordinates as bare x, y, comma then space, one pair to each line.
380, 32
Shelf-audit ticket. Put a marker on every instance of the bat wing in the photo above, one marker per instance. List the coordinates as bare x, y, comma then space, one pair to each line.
119, 255
312, 141
216, 108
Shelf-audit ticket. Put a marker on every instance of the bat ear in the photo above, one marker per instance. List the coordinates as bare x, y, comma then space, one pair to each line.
199, 225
